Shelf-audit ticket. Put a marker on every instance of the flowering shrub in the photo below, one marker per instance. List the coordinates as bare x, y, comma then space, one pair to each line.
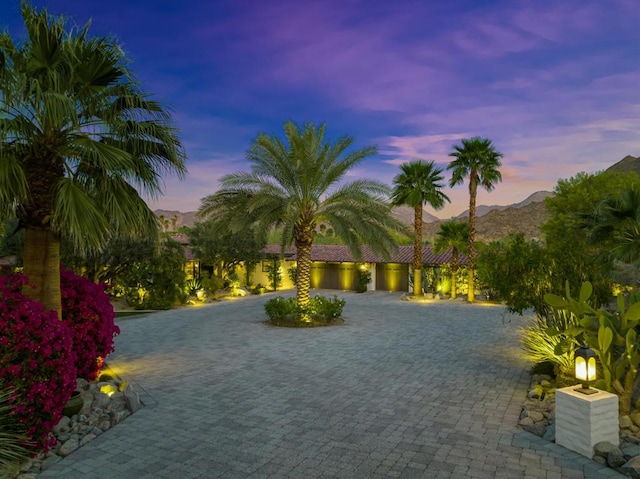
36, 360
88, 313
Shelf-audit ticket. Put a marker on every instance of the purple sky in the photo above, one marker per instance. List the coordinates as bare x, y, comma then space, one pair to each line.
554, 84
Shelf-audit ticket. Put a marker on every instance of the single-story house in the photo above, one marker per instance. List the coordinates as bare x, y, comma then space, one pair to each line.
334, 267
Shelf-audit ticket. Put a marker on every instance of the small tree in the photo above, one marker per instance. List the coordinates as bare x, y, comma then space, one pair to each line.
454, 235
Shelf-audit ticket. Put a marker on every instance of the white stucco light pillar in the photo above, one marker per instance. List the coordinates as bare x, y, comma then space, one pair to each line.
584, 420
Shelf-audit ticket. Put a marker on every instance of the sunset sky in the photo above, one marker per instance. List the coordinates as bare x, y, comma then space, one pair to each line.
555, 84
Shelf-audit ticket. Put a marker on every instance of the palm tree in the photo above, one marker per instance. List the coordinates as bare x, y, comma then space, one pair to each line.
478, 160
78, 140
616, 223
293, 185
418, 185
454, 235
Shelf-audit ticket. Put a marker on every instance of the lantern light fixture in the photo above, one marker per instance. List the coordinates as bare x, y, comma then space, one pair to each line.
585, 369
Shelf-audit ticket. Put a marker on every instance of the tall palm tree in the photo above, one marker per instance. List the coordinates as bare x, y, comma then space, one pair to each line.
616, 224
416, 185
454, 235
293, 185
78, 140
477, 159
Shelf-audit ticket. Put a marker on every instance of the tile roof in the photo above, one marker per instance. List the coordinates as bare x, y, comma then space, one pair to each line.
341, 253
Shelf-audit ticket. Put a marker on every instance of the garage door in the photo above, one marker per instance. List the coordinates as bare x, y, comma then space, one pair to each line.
392, 277
342, 276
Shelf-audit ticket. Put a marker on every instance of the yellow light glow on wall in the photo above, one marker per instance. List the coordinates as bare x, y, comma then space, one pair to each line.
393, 277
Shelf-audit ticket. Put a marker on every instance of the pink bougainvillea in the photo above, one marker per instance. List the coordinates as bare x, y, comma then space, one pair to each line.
36, 359
88, 313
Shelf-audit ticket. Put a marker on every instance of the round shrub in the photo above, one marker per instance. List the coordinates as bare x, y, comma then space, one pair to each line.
88, 313
36, 360
321, 311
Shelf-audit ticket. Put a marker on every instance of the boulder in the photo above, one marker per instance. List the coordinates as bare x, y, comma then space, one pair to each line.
616, 460
632, 468
527, 421
631, 450
132, 400
87, 438
603, 448
64, 425
550, 433
625, 422
538, 429
536, 416
68, 447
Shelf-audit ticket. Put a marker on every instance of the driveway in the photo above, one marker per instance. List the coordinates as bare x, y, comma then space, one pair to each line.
399, 390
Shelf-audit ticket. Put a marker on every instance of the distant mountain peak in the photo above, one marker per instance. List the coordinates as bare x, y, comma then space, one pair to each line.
482, 210
626, 165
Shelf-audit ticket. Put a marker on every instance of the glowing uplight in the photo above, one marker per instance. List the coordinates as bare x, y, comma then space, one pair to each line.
108, 389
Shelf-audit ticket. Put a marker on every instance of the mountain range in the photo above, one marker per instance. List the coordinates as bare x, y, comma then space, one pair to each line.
493, 221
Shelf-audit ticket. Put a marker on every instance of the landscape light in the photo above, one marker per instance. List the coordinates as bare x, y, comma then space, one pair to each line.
585, 369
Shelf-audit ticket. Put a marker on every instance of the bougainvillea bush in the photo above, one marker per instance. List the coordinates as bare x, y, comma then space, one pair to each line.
36, 360
88, 313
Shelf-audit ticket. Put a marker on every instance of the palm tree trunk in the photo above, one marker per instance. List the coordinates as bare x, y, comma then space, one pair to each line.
471, 254
42, 267
454, 274
417, 251
303, 292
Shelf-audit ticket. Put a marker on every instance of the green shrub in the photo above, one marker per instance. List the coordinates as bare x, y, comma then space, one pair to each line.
293, 275
278, 308
211, 285
364, 277
321, 311
258, 289
326, 308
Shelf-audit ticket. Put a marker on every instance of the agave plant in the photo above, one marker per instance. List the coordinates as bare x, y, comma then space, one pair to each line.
540, 346
13, 438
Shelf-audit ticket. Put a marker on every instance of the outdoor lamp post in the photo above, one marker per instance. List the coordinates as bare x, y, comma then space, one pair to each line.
585, 369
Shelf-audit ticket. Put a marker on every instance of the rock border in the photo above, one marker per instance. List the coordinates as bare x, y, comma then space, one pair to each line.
107, 402
538, 417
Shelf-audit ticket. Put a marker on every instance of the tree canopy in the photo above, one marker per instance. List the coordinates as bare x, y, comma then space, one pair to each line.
297, 183
79, 139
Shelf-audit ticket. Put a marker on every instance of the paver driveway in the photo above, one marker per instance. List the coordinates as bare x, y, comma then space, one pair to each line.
400, 390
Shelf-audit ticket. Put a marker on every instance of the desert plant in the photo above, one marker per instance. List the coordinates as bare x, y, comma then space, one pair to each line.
540, 346
611, 335
88, 313
36, 359
13, 436
192, 286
